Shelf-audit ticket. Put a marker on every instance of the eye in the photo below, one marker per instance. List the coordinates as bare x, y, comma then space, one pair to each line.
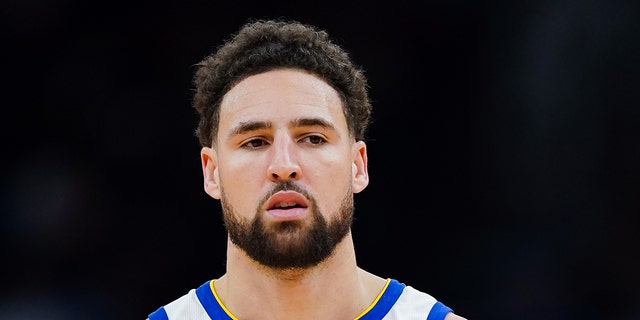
314, 139
255, 143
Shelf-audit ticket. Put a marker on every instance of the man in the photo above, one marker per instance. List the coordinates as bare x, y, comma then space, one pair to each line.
283, 115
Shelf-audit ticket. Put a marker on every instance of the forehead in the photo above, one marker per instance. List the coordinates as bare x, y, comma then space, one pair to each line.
282, 93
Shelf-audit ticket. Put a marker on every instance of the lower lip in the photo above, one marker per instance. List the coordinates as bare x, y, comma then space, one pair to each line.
288, 214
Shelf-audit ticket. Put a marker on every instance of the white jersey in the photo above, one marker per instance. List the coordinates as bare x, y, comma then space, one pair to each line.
396, 302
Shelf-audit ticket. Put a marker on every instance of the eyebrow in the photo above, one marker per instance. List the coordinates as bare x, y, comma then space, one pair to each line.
311, 122
249, 126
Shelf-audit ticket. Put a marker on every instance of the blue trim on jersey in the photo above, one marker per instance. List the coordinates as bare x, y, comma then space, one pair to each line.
438, 311
159, 314
378, 311
386, 301
209, 302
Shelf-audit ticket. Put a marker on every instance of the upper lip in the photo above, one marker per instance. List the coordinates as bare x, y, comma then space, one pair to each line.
286, 199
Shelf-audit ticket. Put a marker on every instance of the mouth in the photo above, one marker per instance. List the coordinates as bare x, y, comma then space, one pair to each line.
287, 205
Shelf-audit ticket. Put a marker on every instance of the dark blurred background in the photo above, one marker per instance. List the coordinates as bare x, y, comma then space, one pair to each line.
504, 156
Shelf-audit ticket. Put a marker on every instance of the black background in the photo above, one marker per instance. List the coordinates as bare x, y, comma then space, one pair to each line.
504, 156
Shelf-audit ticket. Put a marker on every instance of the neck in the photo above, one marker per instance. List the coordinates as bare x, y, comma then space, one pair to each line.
335, 289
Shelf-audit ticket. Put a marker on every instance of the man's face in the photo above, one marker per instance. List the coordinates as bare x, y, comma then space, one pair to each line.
285, 168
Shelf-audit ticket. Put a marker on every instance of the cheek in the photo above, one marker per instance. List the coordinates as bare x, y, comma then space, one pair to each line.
235, 166
240, 184
330, 186
333, 167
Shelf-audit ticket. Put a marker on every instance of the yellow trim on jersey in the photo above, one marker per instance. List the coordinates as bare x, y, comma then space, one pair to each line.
215, 294
374, 301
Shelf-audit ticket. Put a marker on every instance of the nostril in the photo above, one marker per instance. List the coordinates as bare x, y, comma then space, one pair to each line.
292, 175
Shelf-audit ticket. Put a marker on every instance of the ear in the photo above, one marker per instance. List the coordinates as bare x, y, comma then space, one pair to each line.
209, 160
360, 170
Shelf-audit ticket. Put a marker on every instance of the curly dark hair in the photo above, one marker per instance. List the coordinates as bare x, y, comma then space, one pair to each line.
263, 45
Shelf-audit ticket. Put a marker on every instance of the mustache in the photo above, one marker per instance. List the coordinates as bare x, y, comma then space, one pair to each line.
287, 186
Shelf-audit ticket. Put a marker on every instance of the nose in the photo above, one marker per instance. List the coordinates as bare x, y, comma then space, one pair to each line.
284, 164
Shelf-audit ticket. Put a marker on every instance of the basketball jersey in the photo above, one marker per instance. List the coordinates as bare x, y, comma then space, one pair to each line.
397, 301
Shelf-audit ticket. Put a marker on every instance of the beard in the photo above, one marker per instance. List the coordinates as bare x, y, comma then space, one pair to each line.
296, 244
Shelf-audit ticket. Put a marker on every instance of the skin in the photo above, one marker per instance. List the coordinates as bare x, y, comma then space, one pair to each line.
324, 161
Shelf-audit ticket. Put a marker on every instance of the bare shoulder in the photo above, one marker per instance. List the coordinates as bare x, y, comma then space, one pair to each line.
453, 316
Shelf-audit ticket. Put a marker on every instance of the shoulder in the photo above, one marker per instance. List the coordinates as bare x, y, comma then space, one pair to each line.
437, 309
191, 305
